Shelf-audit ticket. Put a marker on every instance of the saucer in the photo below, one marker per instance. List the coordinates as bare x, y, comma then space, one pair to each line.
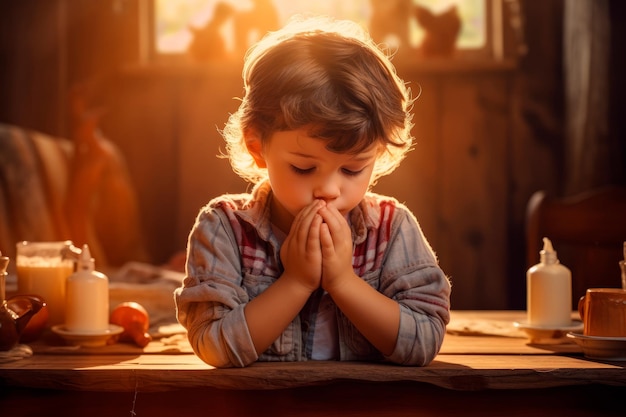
549, 334
604, 348
95, 339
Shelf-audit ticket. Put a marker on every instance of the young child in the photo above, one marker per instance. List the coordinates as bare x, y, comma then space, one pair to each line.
311, 265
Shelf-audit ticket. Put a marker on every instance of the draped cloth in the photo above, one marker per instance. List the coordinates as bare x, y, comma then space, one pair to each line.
595, 148
33, 179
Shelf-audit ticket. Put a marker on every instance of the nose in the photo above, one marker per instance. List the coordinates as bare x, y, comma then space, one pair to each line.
327, 189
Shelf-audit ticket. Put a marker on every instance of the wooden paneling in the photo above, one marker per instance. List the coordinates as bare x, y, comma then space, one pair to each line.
207, 97
455, 181
474, 179
32, 70
141, 119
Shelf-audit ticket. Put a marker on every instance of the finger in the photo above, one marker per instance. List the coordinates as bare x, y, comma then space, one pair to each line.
313, 239
334, 219
326, 241
304, 219
297, 221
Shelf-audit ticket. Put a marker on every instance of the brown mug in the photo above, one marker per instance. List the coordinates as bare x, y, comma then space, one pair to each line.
603, 311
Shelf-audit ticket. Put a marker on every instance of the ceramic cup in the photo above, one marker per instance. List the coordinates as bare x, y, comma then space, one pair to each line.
42, 269
603, 311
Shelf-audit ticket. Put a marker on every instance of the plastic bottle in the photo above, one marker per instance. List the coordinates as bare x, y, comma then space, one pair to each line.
87, 298
549, 291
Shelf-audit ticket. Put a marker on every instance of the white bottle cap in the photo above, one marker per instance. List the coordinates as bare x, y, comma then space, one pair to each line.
85, 261
548, 254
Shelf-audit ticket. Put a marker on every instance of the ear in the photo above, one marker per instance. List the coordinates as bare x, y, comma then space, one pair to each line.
255, 147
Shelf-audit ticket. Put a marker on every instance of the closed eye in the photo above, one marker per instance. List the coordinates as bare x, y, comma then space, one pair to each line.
351, 173
301, 171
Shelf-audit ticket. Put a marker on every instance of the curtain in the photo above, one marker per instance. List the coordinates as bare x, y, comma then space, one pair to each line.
593, 54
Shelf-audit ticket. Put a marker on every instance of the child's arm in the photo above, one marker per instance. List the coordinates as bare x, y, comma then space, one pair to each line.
406, 315
268, 314
375, 315
226, 326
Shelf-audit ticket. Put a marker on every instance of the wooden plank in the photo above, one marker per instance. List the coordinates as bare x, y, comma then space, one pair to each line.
474, 181
154, 373
416, 182
485, 345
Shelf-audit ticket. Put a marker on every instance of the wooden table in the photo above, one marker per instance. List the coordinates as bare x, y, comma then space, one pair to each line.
487, 367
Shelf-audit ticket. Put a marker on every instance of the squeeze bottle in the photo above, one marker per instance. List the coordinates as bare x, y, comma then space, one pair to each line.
87, 298
549, 291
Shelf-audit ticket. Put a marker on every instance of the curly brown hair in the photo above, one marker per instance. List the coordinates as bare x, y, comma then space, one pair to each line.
330, 78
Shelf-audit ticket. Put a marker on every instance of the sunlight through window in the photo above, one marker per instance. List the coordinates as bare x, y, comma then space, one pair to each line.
174, 19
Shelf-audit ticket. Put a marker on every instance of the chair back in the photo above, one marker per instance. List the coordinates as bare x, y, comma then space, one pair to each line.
588, 232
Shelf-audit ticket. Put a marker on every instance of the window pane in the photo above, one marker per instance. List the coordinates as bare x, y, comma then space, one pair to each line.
173, 18
473, 15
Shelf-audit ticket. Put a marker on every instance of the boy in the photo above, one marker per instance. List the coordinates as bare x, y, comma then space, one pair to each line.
310, 265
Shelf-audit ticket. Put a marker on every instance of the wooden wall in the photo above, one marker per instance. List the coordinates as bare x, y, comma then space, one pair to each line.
48, 46
32, 55
456, 180
487, 137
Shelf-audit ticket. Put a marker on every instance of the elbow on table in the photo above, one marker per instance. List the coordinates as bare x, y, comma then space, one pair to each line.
211, 358
421, 356
419, 339
216, 353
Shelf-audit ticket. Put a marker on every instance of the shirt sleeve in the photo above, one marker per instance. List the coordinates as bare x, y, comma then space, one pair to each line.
210, 304
413, 278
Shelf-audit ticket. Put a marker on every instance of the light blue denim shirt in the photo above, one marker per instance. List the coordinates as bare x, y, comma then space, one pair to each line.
232, 256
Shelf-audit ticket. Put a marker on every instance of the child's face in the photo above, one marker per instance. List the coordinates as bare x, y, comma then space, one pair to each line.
302, 170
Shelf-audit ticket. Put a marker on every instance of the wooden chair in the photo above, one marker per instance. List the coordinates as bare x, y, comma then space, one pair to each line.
588, 232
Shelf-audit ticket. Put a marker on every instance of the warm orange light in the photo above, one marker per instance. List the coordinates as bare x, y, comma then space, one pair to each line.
174, 18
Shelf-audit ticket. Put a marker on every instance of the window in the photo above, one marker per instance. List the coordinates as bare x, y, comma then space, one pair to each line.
172, 20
